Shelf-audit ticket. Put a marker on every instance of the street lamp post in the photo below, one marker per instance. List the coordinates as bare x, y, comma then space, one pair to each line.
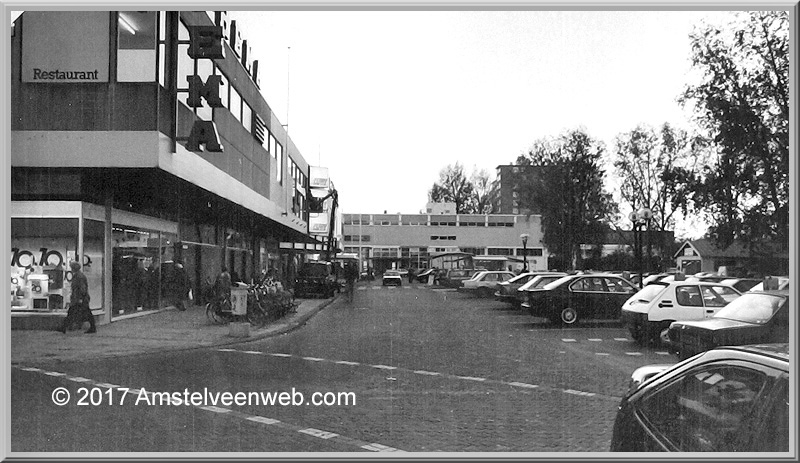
524, 238
639, 218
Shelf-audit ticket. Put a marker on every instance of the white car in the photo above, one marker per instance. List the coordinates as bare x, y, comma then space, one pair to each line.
648, 313
485, 283
392, 278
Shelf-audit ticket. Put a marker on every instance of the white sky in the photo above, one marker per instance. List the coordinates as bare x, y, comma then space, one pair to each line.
388, 99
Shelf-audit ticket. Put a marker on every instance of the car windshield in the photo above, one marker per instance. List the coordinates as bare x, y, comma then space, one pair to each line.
751, 308
525, 277
541, 281
557, 283
649, 292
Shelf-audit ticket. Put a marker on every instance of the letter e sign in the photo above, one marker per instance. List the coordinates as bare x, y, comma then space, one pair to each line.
206, 42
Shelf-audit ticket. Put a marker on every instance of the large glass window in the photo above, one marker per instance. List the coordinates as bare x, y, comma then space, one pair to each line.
247, 117
236, 104
136, 46
40, 252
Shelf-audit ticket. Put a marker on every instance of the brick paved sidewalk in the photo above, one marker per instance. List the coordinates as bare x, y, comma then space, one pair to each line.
147, 332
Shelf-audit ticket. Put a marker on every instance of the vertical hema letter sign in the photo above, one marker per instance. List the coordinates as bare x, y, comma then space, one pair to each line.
206, 43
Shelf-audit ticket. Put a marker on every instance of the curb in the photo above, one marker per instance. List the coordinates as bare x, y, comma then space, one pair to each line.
278, 329
225, 340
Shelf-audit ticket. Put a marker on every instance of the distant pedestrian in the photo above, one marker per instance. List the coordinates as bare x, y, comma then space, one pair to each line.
79, 310
412, 273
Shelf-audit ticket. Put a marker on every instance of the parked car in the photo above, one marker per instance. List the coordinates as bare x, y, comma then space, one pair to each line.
728, 399
315, 278
574, 297
649, 312
507, 290
742, 284
779, 283
753, 318
484, 284
454, 277
517, 296
392, 278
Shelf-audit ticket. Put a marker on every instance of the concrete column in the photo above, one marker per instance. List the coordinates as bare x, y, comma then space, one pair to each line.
108, 253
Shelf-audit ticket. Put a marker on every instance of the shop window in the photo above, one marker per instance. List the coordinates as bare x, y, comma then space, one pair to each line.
136, 46
40, 253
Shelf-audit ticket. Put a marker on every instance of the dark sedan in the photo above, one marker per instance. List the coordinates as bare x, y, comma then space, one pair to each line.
750, 319
574, 297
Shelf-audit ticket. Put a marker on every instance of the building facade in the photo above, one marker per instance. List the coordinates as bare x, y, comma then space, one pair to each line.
384, 241
139, 139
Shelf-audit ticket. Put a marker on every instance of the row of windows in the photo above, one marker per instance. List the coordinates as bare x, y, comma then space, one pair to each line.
440, 237
432, 224
363, 239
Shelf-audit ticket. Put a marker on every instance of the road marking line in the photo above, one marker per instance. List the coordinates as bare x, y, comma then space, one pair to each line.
227, 350
633, 353
471, 378
313, 359
529, 386
620, 339
595, 340
568, 340
214, 409
375, 447
318, 433
378, 448
662, 353
252, 352
275, 354
601, 353
384, 367
78, 379
107, 385
261, 419
467, 378
574, 392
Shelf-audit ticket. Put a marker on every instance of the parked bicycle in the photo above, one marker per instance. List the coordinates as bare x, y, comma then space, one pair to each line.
220, 311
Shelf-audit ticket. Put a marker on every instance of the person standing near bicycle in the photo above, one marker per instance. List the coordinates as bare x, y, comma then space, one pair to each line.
223, 285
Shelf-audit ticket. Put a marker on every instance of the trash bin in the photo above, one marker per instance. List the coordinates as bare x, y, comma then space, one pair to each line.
239, 329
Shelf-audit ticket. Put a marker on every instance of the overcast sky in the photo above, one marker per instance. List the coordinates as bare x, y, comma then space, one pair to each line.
387, 99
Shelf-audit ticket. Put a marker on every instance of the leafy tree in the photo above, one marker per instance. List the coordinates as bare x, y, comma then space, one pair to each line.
484, 192
645, 162
454, 187
742, 101
566, 186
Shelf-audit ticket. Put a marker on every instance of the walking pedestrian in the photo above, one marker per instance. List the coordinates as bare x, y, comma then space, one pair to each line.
79, 310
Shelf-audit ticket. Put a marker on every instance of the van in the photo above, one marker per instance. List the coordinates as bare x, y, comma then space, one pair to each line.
648, 313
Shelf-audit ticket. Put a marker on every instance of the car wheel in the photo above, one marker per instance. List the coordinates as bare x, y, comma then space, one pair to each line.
569, 316
636, 334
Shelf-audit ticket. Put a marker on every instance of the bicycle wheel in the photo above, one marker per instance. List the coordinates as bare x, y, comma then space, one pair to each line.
213, 315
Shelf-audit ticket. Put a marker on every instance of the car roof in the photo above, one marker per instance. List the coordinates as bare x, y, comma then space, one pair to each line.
779, 351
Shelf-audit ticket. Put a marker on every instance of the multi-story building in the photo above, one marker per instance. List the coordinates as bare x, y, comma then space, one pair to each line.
139, 138
408, 240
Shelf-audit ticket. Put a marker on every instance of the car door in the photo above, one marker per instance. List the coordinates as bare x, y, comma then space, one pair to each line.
716, 297
587, 296
618, 291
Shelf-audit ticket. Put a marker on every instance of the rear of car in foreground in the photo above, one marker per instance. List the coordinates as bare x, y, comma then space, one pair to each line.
728, 399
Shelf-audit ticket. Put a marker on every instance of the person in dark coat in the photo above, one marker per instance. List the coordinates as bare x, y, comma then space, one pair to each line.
79, 310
